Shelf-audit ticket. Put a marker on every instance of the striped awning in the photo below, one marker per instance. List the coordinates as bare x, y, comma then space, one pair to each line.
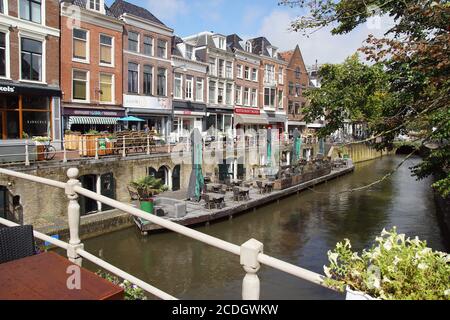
92, 120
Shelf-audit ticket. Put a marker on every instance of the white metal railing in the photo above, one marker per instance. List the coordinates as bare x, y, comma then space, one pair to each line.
251, 252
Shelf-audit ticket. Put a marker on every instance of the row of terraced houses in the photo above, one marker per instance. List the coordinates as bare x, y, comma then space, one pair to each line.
81, 65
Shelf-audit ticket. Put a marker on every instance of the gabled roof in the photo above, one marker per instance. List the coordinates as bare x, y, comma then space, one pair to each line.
233, 41
119, 7
287, 55
259, 46
206, 39
83, 4
175, 41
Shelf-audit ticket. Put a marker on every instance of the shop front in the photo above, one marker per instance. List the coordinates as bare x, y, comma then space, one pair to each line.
28, 111
277, 121
187, 116
156, 112
219, 120
84, 120
250, 119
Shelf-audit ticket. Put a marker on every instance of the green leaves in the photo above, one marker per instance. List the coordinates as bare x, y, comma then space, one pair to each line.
394, 268
132, 292
148, 187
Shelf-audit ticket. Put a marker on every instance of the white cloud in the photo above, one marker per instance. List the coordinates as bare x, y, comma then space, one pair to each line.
321, 45
167, 9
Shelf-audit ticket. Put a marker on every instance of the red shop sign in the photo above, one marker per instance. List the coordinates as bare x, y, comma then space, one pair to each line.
254, 111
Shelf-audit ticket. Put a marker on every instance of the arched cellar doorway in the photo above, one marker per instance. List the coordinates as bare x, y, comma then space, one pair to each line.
176, 178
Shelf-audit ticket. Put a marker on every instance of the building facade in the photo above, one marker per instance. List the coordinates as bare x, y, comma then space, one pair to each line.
297, 80
29, 70
247, 110
189, 90
212, 49
272, 84
91, 66
147, 68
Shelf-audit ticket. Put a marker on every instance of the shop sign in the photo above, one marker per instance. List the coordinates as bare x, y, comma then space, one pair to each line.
145, 102
253, 111
102, 143
7, 89
95, 113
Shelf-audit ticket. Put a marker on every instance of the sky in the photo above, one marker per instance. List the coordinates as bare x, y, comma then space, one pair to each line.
253, 18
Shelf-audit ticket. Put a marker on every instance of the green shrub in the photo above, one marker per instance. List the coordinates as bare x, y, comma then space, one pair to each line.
394, 268
131, 291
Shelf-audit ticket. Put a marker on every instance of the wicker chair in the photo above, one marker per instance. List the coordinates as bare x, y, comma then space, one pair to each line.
16, 243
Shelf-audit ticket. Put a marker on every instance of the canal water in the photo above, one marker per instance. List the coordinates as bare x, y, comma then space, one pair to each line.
300, 229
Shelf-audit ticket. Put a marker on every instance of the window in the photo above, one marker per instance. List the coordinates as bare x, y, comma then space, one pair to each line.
106, 49
280, 99
238, 95
248, 46
247, 73
291, 88
30, 10
269, 97
246, 96
80, 43
229, 70
280, 75
133, 76
254, 97
297, 73
80, 85
221, 68
133, 41
189, 95
255, 74
2, 54
229, 96
189, 52
297, 90
148, 80
199, 90
269, 73
222, 43
220, 93
291, 109
161, 83
212, 92
212, 66
178, 86
162, 48
1, 7
239, 71
31, 59
148, 46
94, 5
106, 88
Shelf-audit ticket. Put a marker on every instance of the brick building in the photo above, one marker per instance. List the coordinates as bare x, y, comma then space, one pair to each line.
147, 81
297, 79
91, 66
272, 84
29, 71
247, 111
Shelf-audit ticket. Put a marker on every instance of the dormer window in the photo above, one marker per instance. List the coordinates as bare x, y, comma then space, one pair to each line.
96, 5
274, 53
222, 43
248, 46
189, 52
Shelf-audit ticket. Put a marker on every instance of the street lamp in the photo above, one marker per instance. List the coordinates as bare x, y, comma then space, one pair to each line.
183, 67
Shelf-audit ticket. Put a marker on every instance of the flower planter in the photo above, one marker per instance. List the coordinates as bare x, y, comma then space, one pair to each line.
146, 205
71, 141
357, 295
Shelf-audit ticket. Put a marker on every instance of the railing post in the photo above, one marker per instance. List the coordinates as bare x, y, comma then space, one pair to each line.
148, 144
96, 148
27, 154
73, 216
124, 149
64, 152
249, 260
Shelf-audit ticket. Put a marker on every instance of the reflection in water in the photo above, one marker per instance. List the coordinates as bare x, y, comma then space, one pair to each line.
300, 229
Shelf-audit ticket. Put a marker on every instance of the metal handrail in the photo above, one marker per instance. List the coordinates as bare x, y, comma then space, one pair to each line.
251, 252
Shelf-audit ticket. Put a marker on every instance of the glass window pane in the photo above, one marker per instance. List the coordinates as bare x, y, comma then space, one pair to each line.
36, 67
105, 54
132, 66
12, 124
80, 34
24, 9
79, 90
105, 40
36, 123
30, 45
80, 75
26, 66
2, 55
36, 12
35, 102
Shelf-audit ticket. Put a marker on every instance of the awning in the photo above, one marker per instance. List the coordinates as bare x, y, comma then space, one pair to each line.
296, 123
92, 120
250, 119
277, 118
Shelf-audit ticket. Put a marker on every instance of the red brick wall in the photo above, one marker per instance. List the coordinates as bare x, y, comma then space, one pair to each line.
297, 61
94, 68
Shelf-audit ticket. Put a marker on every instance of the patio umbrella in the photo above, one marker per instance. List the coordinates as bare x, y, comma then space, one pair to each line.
131, 118
269, 147
196, 180
297, 145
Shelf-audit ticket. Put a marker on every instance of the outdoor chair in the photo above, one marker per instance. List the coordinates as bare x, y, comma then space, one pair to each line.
260, 187
16, 243
237, 195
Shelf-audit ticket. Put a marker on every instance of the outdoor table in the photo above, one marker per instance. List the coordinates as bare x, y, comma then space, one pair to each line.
268, 185
45, 276
244, 192
215, 186
236, 182
218, 199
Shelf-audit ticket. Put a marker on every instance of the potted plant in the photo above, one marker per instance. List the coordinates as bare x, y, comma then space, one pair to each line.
146, 189
394, 268
40, 146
